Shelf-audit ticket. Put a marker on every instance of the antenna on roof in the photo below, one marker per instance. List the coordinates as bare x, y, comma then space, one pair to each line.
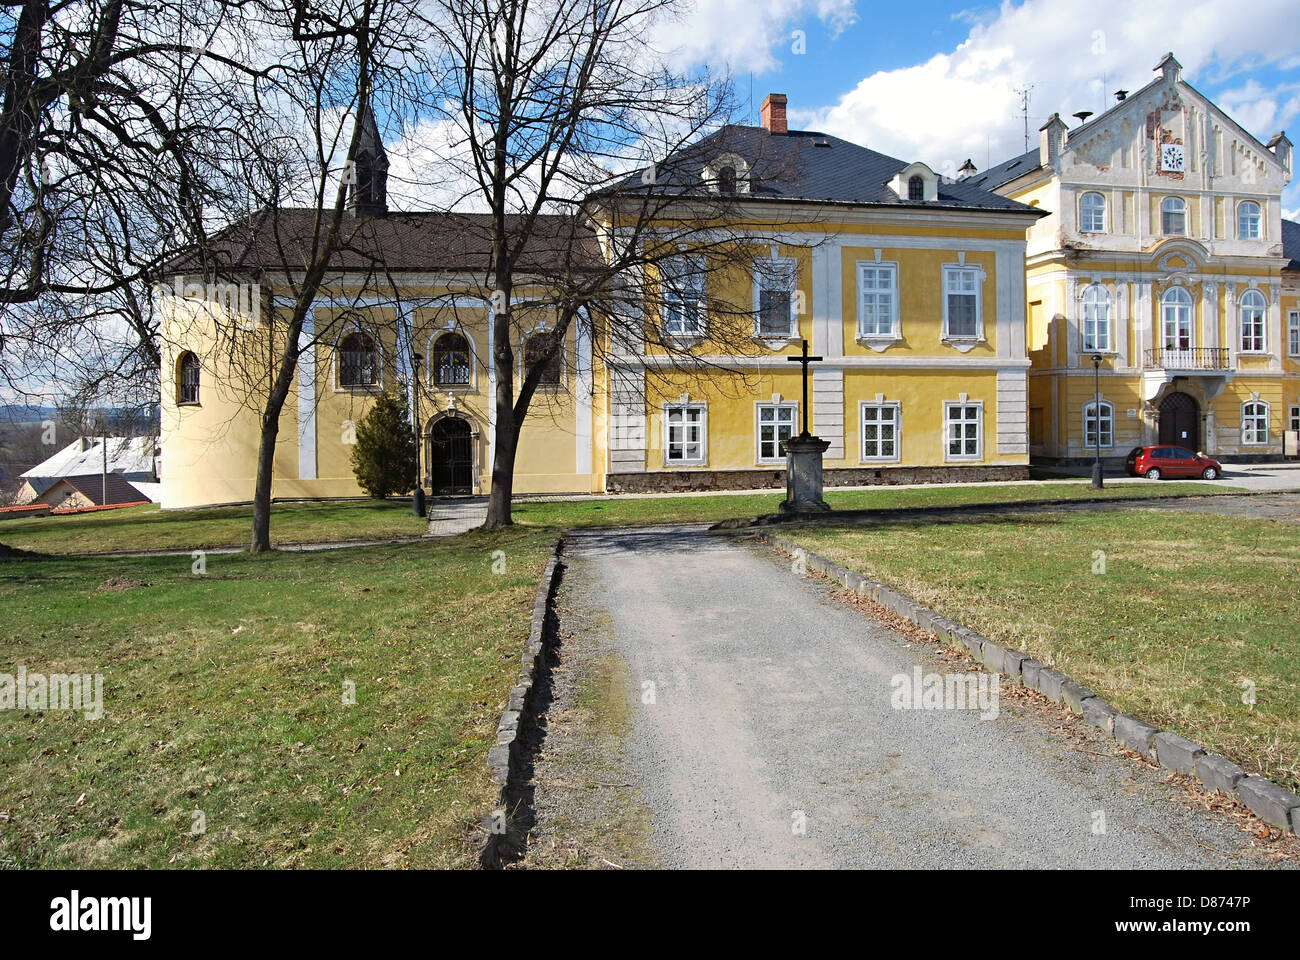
1083, 115
1024, 109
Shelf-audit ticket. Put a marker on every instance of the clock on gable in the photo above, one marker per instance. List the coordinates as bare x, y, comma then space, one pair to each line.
1171, 157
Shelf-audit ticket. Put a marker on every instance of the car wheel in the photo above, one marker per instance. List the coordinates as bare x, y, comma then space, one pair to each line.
1153, 473
1209, 473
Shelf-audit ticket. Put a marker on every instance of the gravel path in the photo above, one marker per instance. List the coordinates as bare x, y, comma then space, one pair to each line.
771, 710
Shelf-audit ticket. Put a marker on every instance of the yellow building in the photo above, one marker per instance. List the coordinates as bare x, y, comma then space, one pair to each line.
910, 287
1162, 256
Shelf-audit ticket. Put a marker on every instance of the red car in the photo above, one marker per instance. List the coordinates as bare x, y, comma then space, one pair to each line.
1157, 462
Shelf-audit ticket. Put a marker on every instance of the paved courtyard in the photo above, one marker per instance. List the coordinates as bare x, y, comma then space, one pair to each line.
760, 733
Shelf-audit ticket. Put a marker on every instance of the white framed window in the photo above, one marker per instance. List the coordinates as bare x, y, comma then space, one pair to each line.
1096, 319
358, 363
881, 433
685, 433
1293, 333
1249, 222
1173, 217
1251, 310
1092, 213
878, 300
1295, 417
775, 424
1176, 319
1098, 421
962, 308
682, 280
1254, 423
775, 300
963, 430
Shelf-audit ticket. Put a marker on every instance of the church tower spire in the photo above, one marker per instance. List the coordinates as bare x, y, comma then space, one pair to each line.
368, 193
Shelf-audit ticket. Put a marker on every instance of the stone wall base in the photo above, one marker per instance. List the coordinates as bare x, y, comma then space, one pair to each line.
683, 481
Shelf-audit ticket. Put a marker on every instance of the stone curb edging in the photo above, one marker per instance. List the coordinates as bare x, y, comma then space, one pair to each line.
1274, 805
848, 517
503, 758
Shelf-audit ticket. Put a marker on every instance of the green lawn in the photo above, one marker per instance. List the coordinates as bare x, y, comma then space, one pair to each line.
224, 693
149, 528
1190, 607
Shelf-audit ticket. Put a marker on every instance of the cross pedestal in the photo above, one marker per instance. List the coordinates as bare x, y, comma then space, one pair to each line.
803, 458
803, 475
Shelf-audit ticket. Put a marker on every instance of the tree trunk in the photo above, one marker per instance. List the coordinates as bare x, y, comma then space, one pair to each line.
503, 462
262, 488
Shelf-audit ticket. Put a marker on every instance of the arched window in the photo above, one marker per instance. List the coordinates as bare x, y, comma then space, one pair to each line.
451, 361
358, 360
1248, 220
1092, 213
1254, 422
1098, 424
1173, 216
727, 180
1176, 319
1252, 322
1096, 319
915, 188
187, 378
535, 347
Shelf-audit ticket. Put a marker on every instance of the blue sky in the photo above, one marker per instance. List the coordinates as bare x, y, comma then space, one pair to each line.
932, 81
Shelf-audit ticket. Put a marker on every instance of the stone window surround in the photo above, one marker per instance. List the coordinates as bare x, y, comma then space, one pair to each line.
880, 403
963, 401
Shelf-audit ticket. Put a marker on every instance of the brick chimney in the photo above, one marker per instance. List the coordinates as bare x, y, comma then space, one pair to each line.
774, 113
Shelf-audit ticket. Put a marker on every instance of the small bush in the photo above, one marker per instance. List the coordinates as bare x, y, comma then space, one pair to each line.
383, 458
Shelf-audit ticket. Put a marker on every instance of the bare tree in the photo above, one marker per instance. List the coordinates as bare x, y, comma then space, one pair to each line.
549, 99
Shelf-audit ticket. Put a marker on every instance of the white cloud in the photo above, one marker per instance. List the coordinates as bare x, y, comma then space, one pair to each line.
745, 35
1076, 53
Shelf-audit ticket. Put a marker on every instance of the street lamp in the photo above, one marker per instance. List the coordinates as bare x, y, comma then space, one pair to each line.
1096, 420
417, 501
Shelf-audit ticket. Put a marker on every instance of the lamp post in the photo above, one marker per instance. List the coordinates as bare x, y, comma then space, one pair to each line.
417, 501
1097, 483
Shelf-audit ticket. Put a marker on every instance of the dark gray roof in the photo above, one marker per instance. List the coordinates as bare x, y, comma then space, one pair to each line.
806, 166
1006, 171
104, 489
1291, 244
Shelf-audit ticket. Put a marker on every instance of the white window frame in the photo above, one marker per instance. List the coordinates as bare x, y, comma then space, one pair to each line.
1252, 321
1085, 225
766, 270
948, 406
897, 409
703, 424
878, 267
1107, 417
1249, 434
950, 272
1181, 320
1099, 323
336, 360
683, 295
1257, 221
1181, 212
759, 408
1293, 333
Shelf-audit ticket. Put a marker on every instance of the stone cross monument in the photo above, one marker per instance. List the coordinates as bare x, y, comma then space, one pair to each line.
803, 458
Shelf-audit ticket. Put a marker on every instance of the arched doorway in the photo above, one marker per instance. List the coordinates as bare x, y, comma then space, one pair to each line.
451, 456
1180, 421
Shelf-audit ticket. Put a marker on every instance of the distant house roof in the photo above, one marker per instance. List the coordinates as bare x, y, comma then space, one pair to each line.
1006, 171
105, 489
402, 242
1291, 243
806, 166
85, 455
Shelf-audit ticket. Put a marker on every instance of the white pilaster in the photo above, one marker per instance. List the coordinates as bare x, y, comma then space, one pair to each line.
1071, 312
828, 409
307, 397
1230, 323
582, 418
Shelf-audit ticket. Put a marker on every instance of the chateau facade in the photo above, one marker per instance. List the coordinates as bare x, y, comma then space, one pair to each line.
1165, 256
956, 322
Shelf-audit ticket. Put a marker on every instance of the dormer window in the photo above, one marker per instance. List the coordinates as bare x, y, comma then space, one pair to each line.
726, 174
916, 183
915, 188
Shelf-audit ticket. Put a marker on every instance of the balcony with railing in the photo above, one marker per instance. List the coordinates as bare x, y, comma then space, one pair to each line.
1192, 358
